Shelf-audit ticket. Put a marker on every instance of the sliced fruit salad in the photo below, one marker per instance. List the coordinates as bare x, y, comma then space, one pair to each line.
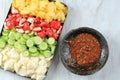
28, 40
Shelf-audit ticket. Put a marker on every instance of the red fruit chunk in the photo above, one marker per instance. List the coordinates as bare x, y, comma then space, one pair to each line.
41, 20
9, 26
10, 16
37, 19
55, 36
59, 30
44, 28
19, 18
10, 23
45, 24
8, 19
36, 24
49, 32
18, 15
26, 26
55, 24
41, 34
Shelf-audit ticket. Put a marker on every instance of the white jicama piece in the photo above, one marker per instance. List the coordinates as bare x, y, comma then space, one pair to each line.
22, 21
14, 11
9, 65
1, 59
20, 30
30, 19
33, 67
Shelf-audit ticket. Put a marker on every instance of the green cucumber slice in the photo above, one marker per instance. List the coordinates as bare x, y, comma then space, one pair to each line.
33, 49
43, 46
5, 33
2, 43
37, 40
51, 41
16, 44
12, 35
30, 42
47, 53
5, 38
20, 47
11, 42
26, 54
53, 49
36, 54
22, 40
25, 36
18, 35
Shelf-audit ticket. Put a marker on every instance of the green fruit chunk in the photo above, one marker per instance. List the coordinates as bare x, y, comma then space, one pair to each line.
22, 40
37, 40
53, 49
29, 43
17, 36
47, 53
5, 38
6, 31
2, 43
36, 54
11, 42
26, 54
12, 35
20, 47
43, 46
51, 41
33, 49
25, 36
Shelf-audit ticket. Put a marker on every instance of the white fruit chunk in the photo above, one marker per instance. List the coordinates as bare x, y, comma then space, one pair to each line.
14, 11
1, 59
9, 65
30, 19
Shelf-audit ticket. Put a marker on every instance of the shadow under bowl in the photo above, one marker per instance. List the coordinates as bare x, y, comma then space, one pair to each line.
66, 56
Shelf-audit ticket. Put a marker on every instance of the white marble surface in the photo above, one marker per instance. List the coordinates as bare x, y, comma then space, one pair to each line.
103, 15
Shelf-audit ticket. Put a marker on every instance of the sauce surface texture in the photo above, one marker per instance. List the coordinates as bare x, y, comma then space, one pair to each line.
85, 49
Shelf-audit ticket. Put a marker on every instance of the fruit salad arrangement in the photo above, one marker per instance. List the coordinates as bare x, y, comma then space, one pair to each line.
29, 36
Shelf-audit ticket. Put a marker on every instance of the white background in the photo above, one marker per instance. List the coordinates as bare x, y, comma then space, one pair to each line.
102, 15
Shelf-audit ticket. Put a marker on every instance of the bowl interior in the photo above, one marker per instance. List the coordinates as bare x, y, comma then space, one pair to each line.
66, 56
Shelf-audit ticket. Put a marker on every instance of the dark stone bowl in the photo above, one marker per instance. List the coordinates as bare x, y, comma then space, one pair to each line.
66, 56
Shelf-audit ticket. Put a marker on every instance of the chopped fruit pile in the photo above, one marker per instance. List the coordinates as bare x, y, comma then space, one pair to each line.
28, 44
29, 36
42, 8
33, 67
27, 24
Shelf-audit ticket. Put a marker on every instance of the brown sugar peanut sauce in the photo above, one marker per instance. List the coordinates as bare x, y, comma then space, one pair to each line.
85, 49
